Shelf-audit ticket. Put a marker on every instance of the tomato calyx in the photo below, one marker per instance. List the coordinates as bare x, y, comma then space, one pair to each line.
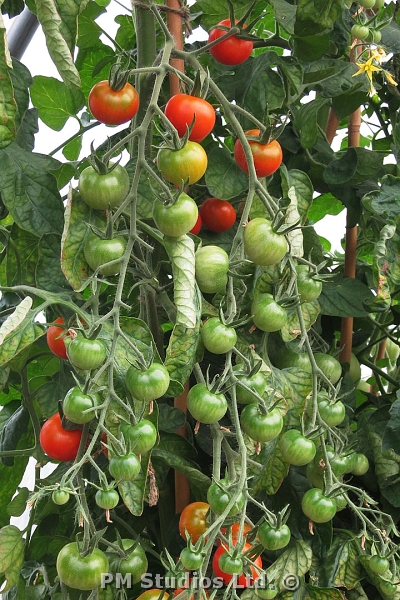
118, 77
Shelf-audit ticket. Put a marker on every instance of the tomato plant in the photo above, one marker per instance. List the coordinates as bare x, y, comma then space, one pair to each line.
230, 51
193, 520
182, 110
267, 157
217, 215
55, 338
81, 572
59, 443
113, 106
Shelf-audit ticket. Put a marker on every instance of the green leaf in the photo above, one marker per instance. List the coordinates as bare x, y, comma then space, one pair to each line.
291, 329
186, 297
170, 418
316, 16
306, 591
55, 102
126, 35
391, 439
25, 137
224, 179
88, 31
213, 12
293, 384
75, 234
346, 104
385, 202
69, 12
296, 561
86, 60
305, 121
342, 566
8, 107
181, 355
18, 504
344, 298
21, 81
285, 14
341, 170
323, 205
53, 28
22, 257
269, 479
18, 331
11, 433
73, 149
30, 192
49, 275
11, 555
311, 47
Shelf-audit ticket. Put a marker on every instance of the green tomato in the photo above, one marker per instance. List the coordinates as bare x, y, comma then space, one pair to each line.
265, 593
177, 219
104, 191
332, 413
186, 165
86, 354
211, 268
261, 427
296, 449
60, 497
268, 315
99, 252
361, 465
148, 384
141, 437
261, 244
217, 337
219, 496
272, 538
204, 405
329, 365
285, 358
256, 382
191, 560
124, 468
107, 499
318, 507
378, 564
392, 350
355, 369
81, 572
341, 502
308, 287
359, 32
76, 403
367, 3
135, 564
230, 564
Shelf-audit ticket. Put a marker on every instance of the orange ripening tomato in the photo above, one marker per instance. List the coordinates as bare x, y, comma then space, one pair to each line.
193, 519
267, 157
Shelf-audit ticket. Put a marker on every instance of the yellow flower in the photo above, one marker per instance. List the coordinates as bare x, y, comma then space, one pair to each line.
390, 78
377, 54
368, 68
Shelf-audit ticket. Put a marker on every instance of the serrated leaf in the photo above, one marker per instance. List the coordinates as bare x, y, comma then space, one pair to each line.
18, 504
274, 470
22, 257
181, 355
224, 179
49, 275
8, 106
49, 18
55, 102
316, 16
291, 329
344, 298
293, 384
302, 187
306, 122
342, 566
30, 191
11, 554
181, 254
385, 202
18, 331
170, 418
296, 561
75, 234
69, 11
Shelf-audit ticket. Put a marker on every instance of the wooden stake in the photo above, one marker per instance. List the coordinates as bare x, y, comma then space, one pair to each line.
174, 22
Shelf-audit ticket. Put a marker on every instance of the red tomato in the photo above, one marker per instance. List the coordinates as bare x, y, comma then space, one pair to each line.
231, 51
193, 519
242, 580
235, 528
57, 442
217, 215
113, 107
181, 110
267, 157
55, 339
196, 229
